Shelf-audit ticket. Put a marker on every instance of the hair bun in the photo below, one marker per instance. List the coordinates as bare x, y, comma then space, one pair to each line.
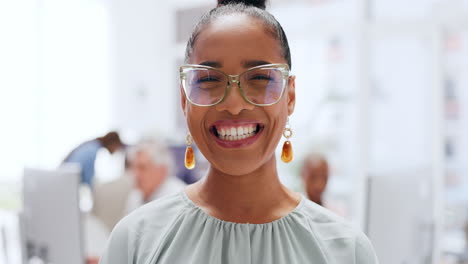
257, 3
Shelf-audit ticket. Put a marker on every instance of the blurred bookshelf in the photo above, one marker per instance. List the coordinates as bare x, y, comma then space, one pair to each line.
455, 114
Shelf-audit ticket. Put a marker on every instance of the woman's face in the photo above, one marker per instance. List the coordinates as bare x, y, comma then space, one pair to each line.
233, 44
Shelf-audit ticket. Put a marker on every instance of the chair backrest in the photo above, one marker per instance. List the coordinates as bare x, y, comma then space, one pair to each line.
110, 200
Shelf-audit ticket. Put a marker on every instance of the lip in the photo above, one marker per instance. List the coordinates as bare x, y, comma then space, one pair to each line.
237, 143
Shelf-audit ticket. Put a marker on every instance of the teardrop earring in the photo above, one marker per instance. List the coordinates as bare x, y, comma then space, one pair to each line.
189, 155
287, 154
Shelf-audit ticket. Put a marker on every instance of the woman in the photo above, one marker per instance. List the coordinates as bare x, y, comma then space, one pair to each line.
237, 94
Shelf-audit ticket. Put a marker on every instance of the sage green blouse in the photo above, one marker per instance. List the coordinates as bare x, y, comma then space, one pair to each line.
174, 230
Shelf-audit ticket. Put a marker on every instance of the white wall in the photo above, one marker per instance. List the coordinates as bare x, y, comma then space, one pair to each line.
54, 90
144, 76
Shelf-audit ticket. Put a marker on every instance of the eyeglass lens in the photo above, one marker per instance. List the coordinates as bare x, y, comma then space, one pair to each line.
259, 86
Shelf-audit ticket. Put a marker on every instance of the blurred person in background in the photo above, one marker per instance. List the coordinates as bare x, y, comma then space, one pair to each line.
85, 154
315, 171
151, 165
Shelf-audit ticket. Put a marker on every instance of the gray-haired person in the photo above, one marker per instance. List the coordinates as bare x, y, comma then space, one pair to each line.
151, 165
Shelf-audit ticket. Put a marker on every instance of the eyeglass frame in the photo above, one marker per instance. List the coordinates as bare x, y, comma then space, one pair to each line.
235, 79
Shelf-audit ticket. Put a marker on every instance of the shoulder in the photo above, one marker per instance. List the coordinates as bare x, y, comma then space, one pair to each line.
143, 228
319, 215
335, 233
163, 210
86, 150
90, 144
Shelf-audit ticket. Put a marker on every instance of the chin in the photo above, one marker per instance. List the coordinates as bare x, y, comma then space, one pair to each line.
239, 167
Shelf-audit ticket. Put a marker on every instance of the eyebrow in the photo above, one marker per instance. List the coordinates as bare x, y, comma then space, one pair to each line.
253, 63
245, 63
213, 64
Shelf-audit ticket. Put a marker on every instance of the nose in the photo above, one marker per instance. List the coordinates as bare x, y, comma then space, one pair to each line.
234, 102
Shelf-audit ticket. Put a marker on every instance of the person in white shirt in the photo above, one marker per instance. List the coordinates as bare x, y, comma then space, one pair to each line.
151, 165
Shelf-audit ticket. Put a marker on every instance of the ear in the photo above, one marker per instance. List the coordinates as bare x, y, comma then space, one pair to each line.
183, 100
291, 94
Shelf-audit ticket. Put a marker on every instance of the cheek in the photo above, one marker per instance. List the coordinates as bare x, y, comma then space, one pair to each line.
135, 173
278, 115
195, 121
192, 113
146, 179
139, 175
138, 181
279, 111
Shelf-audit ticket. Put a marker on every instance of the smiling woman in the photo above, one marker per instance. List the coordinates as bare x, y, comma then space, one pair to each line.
237, 94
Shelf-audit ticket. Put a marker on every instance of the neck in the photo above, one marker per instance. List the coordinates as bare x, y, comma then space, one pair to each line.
257, 196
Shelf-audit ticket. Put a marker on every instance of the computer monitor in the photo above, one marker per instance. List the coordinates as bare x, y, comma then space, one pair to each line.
51, 216
11, 246
399, 217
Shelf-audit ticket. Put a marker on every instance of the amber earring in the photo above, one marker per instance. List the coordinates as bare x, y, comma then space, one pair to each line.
287, 152
189, 155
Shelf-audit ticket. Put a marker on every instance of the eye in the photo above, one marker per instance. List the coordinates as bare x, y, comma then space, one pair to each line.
207, 79
261, 77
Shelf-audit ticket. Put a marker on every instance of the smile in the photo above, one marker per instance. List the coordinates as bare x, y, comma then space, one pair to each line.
236, 133
231, 133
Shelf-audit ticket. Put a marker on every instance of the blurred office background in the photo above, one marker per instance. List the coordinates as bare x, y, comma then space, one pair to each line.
382, 91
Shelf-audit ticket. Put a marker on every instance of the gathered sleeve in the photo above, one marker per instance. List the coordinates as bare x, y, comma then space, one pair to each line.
118, 247
364, 252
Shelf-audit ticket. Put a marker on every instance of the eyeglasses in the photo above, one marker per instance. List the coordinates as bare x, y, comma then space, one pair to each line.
261, 85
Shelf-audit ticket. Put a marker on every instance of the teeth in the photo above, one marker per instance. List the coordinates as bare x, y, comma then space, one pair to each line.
236, 133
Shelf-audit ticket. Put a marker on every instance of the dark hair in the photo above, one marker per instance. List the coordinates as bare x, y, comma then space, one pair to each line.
257, 3
111, 138
253, 8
